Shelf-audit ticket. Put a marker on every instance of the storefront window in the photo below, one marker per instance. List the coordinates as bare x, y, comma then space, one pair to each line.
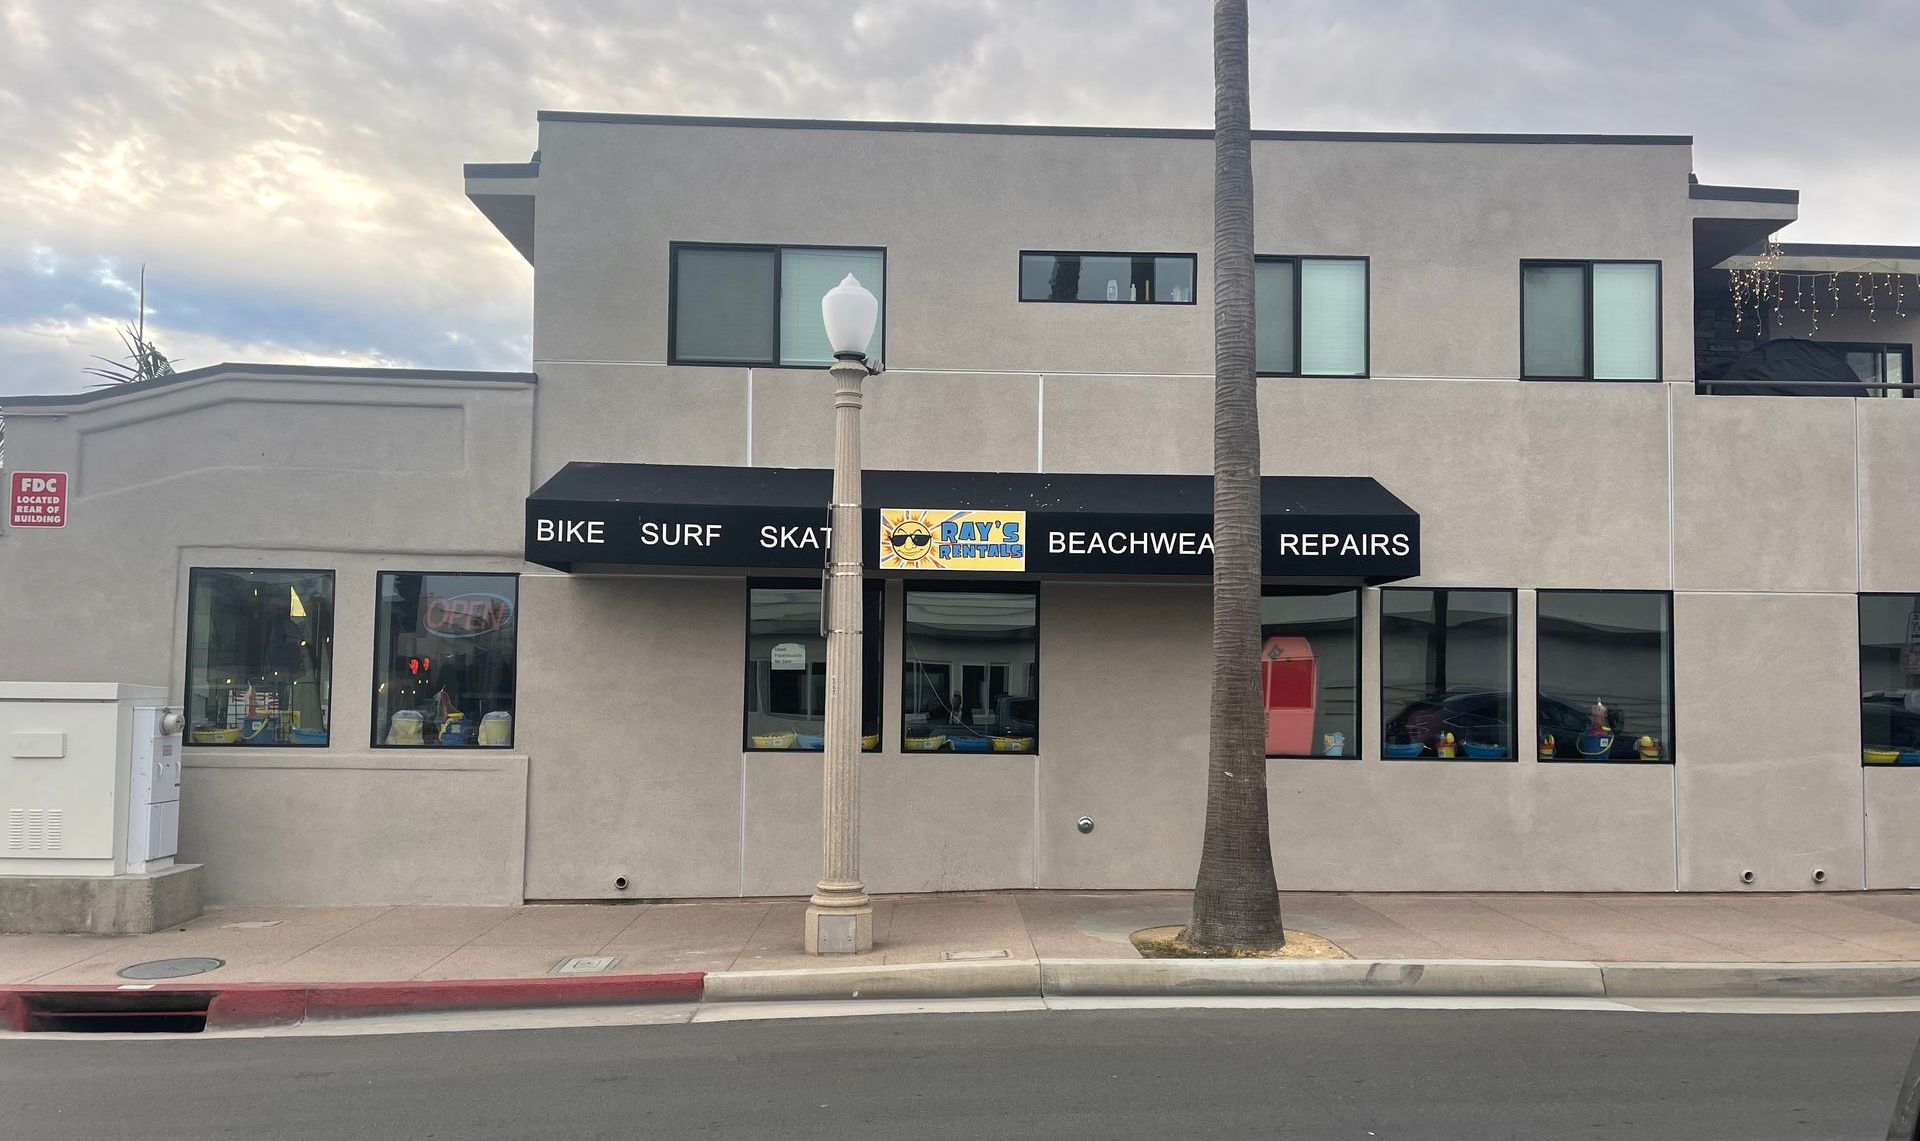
787, 667
1890, 679
1310, 671
1605, 676
443, 659
259, 656
971, 678
1446, 674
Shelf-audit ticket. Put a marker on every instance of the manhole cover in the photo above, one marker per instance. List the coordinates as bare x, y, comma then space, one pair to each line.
171, 968
967, 956
586, 964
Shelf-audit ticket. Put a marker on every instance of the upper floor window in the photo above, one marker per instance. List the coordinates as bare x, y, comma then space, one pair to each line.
259, 656
1590, 320
1125, 279
1310, 316
760, 305
1879, 364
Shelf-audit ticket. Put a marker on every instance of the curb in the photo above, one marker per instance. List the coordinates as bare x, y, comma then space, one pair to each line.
1404, 978
238, 1006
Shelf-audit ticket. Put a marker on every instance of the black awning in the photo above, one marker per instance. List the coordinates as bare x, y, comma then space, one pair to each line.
672, 516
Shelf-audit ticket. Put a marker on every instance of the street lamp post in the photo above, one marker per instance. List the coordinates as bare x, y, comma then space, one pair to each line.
840, 916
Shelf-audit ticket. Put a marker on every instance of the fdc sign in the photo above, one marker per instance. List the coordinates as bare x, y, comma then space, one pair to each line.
39, 499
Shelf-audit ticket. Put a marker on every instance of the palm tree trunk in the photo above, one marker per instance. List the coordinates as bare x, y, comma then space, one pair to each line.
1236, 902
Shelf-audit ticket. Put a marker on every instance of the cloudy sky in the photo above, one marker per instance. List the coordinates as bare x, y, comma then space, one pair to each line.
289, 172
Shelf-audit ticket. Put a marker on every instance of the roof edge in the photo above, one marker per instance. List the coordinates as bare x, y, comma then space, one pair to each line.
501, 169
551, 116
96, 395
1845, 250
1712, 193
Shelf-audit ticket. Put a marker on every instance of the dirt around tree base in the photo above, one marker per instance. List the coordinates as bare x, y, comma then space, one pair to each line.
1163, 943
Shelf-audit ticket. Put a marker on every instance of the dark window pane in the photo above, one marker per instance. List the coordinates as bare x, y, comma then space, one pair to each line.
724, 305
444, 659
1310, 672
970, 681
787, 668
1273, 331
1119, 278
1553, 308
259, 656
1446, 673
1890, 679
1604, 664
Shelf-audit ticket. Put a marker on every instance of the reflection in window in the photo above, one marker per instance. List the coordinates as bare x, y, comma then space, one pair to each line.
1879, 364
1446, 673
1890, 679
1310, 316
1310, 671
1605, 664
443, 659
787, 667
1136, 279
748, 305
1598, 320
971, 674
259, 656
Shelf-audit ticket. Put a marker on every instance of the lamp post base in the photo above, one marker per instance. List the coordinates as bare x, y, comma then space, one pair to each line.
839, 924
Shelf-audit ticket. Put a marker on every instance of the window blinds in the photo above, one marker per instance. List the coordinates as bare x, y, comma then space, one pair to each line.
1333, 317
1626, 321
805, 277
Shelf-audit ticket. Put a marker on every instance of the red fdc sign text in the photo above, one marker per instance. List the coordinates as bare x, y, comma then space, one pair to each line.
39, 499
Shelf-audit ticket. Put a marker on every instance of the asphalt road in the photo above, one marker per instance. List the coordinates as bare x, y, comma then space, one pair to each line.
1150, 1074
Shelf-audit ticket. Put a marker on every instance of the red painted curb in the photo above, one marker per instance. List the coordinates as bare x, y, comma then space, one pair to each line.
242, 1005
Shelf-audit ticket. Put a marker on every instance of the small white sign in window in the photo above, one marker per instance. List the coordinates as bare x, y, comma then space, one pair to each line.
789, 656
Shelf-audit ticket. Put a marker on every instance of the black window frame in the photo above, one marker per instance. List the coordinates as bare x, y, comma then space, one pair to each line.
778, 250
1673, 698
1020, 265
1513, 675
868, 585
374, 735
1860, 673
982, 586
1586, 317
1903, 349
333, 603
1299, 295
1356, 749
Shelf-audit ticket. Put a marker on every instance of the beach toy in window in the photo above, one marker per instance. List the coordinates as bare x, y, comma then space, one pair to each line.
407, 727
931, 744
1445, 747
456, 730
1597, 741
814, 741
1013, 744
1333, 744
496, 728
1484, 750
1546, 746
870, 741
773, 740
970, 744
1649, 749
1404, 748
1879, 756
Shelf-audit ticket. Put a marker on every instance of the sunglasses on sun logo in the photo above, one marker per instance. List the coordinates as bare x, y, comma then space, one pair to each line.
908, 539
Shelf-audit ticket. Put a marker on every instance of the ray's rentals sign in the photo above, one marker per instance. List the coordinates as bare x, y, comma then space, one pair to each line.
37, 499
952, 540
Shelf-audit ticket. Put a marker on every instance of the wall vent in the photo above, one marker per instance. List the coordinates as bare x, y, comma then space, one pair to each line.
35, 829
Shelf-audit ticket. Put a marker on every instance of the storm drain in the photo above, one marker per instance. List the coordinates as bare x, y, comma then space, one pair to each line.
172, 968
970, 956
118, 1012
586, 965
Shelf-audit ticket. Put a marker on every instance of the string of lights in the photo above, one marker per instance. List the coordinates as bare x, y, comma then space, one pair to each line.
1762, 287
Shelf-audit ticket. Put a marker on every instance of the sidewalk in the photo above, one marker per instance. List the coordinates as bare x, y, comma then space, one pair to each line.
348, 944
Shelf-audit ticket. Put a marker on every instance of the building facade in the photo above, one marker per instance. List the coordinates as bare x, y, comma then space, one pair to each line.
1619, 631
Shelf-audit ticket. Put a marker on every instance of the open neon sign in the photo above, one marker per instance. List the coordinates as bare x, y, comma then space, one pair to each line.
465, 615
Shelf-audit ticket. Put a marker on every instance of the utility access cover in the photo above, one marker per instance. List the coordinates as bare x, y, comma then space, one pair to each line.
171, 968
586, 965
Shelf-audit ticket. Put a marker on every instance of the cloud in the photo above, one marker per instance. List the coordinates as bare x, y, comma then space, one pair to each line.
289, 173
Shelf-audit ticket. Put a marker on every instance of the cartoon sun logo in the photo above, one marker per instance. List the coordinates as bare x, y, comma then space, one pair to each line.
907, 538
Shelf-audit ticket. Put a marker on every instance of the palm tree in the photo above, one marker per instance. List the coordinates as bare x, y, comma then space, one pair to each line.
144, 359
1236, 901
